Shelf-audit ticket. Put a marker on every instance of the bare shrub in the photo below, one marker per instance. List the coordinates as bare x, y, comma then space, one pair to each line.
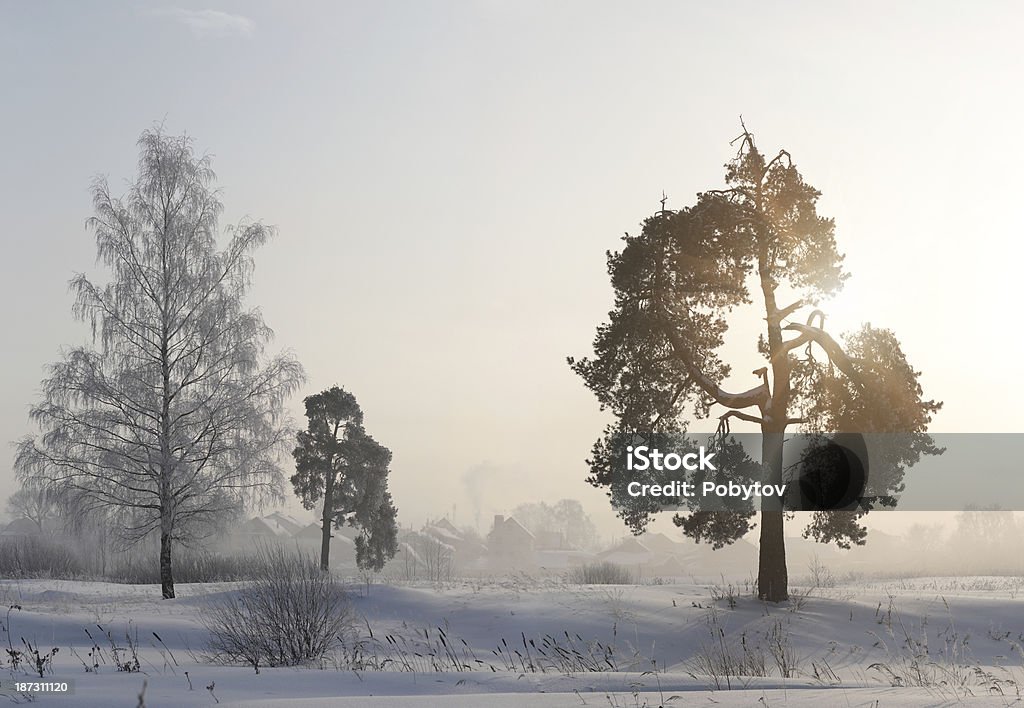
194, 567
948, 668
37, 557
294, 614
727, 592
819, 574
727, 661
724, 661
798, 600
780, 650
68, 559
436, 649
602, 573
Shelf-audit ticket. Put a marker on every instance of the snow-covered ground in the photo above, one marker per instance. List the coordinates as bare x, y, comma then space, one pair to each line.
922, 641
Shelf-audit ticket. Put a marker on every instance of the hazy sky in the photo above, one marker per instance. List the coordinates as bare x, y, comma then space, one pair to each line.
446, 178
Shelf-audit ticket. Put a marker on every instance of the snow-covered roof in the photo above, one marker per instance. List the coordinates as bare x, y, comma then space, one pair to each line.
404, 549
283, 524
447, 526
21, 527
256, 527
630, 551
313, 530
443, 533
628, 545
661, 543
512, 527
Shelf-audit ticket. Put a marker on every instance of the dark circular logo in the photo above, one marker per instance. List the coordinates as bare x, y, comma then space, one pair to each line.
826, 472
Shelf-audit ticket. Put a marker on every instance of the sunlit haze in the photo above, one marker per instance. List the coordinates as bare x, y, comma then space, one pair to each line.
446, 178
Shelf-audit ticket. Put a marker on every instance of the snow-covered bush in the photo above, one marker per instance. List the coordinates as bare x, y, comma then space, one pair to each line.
190, 566
602, 573
37, 557
294, 614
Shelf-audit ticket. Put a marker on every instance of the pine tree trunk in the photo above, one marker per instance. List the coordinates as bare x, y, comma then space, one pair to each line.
325, 539
772, 576
166, 577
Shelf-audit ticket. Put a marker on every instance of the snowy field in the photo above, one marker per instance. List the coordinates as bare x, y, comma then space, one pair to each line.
539, 644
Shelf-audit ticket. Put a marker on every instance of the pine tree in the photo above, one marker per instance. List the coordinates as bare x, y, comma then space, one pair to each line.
656, 365
345, 470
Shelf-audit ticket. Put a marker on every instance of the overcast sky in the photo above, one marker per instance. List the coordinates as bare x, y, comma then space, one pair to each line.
446, 178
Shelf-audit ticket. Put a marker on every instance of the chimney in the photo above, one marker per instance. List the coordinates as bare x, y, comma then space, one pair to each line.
498, 520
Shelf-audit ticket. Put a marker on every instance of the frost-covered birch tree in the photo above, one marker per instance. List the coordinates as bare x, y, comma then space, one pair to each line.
172, 415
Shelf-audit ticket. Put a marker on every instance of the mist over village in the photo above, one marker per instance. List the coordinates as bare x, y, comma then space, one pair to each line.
510, 354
